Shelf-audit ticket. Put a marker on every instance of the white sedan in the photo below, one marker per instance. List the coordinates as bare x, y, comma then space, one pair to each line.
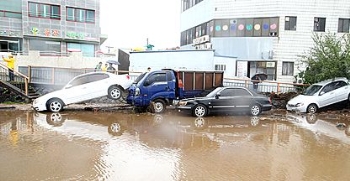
82, 88
320, 95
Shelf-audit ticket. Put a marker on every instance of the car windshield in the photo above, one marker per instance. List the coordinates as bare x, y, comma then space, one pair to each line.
214, 92
139, 78
312, 90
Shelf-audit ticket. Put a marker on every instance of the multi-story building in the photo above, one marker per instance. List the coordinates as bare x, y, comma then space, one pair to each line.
263, 36
52, 26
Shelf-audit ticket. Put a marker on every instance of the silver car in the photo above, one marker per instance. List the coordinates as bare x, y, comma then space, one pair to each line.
320, 95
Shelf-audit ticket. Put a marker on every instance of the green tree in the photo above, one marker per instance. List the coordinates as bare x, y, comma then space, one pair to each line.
329, 58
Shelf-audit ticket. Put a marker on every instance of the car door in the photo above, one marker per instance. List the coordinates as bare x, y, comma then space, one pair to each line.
242, 99
155, 86
75, 90
96, 86
326, 95
341, 91
224, 101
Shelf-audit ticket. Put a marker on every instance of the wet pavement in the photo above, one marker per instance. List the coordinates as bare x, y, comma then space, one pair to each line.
88, 145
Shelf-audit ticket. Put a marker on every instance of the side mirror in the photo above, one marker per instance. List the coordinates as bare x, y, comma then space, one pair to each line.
321, 93
68, 86
217, 96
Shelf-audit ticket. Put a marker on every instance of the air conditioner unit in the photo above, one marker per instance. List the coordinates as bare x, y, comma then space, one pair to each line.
208, 46
273, 34
287, 19
206, 38
300, 80
271, 54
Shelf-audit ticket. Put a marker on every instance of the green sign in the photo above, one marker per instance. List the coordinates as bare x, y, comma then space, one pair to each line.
75, 35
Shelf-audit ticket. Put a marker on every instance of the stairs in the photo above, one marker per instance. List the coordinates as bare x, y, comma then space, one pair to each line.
19, 86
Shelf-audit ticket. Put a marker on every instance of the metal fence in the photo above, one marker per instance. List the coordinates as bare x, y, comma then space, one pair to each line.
266, 86
61, 76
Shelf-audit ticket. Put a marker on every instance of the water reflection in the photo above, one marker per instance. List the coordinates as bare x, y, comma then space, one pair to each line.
332, 126
123, 146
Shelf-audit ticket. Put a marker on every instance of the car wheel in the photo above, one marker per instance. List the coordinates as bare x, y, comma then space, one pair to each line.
254, 121
158, 119
54, 105
115, 92
200, 110
115, 129
311, 118
55, 119
200, 123
158, 106
312, 108
255, 110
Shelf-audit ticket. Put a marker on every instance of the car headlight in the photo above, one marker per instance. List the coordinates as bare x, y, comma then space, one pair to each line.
299, 104
182, 103
137, 91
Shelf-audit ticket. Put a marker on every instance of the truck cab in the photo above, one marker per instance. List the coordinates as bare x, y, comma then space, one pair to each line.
150, 86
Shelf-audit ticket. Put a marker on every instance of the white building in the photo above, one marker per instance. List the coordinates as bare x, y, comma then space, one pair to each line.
265, 36
199, 60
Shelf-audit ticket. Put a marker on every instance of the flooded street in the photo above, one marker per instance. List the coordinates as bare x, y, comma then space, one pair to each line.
84, 145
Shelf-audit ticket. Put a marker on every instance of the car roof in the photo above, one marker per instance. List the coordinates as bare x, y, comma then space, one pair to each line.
331, 80
91, 73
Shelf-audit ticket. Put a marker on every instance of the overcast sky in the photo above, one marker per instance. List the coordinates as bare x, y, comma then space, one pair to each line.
128, 23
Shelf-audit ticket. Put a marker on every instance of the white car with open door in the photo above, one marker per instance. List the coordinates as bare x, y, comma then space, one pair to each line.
82, 88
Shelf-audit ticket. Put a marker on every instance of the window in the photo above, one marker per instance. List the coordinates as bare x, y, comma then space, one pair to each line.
161, 77
220, 67
97, 77
88, 50
44, 10
329, 87
242, 92
227, 92
268, 68
42, 45
70, 14
80, 15
343, 25
339, 84
288, 68
290, 23
319, 24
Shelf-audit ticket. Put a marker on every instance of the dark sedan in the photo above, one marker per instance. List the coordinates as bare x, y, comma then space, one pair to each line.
226, 100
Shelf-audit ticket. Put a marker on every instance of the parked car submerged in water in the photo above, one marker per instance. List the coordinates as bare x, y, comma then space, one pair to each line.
226, 100
320, 95
82, 88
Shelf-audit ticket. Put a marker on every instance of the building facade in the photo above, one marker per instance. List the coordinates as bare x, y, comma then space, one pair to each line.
50, 26
265, 36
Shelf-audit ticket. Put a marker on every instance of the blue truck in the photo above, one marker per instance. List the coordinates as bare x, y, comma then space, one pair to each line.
160, 88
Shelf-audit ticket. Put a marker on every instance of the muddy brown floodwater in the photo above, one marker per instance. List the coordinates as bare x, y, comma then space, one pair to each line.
83, 145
